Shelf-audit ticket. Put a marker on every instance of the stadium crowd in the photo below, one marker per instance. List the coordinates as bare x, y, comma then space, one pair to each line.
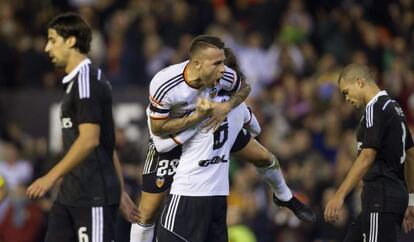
291, 53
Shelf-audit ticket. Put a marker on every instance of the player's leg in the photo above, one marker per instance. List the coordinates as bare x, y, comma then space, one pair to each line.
60, 226
157, 178
218, 229
382, 227
149, 205
94, 223
268, 166
186, 218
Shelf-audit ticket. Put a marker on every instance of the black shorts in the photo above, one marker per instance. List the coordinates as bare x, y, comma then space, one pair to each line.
199, 219
74, 224
159, 169
375, 227
242, 140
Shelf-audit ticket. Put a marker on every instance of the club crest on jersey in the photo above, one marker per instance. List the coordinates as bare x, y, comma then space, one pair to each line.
213, 93
160, 182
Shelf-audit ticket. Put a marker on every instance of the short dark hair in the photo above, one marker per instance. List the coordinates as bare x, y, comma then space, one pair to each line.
204, 41
71, 24
353, 71
232, 62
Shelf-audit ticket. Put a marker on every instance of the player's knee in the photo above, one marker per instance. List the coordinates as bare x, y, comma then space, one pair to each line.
147, 215
147, 212
262, 159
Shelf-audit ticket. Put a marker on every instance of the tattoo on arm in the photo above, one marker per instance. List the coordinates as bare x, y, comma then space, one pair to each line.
174, 125
241, 95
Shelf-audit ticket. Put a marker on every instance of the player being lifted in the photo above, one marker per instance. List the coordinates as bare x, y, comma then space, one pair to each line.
196, 208
178, 94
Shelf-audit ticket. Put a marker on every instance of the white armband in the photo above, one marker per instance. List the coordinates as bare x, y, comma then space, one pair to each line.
410, 199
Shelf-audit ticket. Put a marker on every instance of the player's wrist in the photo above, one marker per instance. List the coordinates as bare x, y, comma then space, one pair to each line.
410, 199
53, 175
340, 194
232, 103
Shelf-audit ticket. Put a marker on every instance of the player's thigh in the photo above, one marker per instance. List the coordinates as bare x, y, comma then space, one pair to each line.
60, 227
95, 223
149, 205
185, 218
159, 169
164, 235
382, 227
254, 153
218, 227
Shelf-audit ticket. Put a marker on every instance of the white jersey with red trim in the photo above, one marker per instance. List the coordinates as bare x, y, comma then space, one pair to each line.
203, 169
172, 96
165, 144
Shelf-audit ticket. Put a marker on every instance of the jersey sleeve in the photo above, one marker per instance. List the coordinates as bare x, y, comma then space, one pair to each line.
160, 101
163, 144
230, 80
168, 143
89, 98
374, 127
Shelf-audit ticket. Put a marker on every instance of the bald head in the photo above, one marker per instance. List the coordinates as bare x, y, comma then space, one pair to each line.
354, 71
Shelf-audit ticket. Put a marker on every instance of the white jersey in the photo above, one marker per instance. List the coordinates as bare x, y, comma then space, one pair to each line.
165, 144
203, 169
172, 96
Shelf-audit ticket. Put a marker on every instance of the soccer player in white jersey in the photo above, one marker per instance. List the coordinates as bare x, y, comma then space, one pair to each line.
201, 183
154, 187
173, 95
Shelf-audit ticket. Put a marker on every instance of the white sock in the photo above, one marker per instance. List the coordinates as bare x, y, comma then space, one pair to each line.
141, 233
274, 178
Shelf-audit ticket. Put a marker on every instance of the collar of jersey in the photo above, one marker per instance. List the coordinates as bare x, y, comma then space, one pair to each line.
72, 74
380, 93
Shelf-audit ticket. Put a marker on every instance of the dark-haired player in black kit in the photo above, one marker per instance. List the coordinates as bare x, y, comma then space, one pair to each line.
90, 193
385, 146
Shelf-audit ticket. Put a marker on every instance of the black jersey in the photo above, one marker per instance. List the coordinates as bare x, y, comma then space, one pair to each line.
383, 128
88, 99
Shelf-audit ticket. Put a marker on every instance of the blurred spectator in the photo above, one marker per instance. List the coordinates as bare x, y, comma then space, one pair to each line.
16, 172
238, 232
290, 51
20, 218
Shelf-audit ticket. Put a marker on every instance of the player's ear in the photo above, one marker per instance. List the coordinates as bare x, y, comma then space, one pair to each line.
360, 82
197, 64
71, 41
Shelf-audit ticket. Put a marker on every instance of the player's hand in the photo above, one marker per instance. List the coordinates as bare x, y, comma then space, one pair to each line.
218, 114
408, 223
203, 107
128, 208
332, 208
40, 187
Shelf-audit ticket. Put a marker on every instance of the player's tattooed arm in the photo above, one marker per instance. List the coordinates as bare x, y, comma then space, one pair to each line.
241, 95
220, 110
164, 127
